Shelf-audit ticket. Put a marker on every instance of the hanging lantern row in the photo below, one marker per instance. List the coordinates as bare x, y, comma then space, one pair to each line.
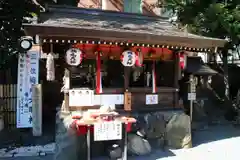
129, 44
74, 57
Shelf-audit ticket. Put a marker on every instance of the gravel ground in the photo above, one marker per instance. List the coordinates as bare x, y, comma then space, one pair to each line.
211, 144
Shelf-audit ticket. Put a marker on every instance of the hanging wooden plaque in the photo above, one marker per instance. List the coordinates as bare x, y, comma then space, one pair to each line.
127, 101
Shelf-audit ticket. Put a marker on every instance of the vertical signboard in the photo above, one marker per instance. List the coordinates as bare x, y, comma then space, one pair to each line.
28, 69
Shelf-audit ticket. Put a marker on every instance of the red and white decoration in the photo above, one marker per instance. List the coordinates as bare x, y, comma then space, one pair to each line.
139, 59
128, 58
182, 60
74, 56
98, 74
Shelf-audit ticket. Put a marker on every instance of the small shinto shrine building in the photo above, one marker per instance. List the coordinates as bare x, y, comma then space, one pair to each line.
127, 60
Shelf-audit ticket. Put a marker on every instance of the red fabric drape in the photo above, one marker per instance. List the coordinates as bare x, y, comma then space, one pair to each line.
154, 85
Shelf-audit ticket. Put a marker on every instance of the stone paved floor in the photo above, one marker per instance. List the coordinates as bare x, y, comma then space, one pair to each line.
215, 143
17, 137
48, 157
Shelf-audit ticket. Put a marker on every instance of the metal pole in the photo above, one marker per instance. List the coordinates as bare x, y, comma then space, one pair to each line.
192, 90
125, 144
88, 143
191, 110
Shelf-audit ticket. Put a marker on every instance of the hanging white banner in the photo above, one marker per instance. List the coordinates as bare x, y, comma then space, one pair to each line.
28, 70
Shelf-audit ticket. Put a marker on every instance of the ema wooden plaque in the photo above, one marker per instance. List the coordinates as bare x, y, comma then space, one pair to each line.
127, 101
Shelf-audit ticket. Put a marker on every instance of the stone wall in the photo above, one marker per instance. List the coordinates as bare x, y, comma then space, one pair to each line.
67, 143
162, 129
166, 128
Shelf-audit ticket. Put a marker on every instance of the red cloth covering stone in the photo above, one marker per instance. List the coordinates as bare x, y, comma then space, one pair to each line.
128, 127
82, 129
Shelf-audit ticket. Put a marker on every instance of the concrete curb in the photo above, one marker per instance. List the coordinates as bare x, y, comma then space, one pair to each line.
28, 151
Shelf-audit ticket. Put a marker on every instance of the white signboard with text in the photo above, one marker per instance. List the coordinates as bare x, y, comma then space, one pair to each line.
151, 99
28, 70
109, 99
191, 96
81, 97
107, 131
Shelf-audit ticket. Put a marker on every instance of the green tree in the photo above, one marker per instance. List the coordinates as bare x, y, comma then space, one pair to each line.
12, 14
214, 18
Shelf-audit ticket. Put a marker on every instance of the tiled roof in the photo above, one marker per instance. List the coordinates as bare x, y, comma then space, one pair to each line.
196, 66
72, 17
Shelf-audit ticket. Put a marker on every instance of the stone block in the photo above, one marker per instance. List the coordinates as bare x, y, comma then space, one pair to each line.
71, 146
157, 143
178, 131
166, 128
68, 146
138, 145
155, 125
162, 129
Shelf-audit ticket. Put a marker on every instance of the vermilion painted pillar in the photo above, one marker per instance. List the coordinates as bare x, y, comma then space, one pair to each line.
98, 74
154, 84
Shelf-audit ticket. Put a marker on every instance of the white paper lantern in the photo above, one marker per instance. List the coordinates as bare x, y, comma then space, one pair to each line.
128, 58
74, 57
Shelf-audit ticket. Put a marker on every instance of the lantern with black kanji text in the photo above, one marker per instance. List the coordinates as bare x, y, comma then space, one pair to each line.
128, 58
74, 56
